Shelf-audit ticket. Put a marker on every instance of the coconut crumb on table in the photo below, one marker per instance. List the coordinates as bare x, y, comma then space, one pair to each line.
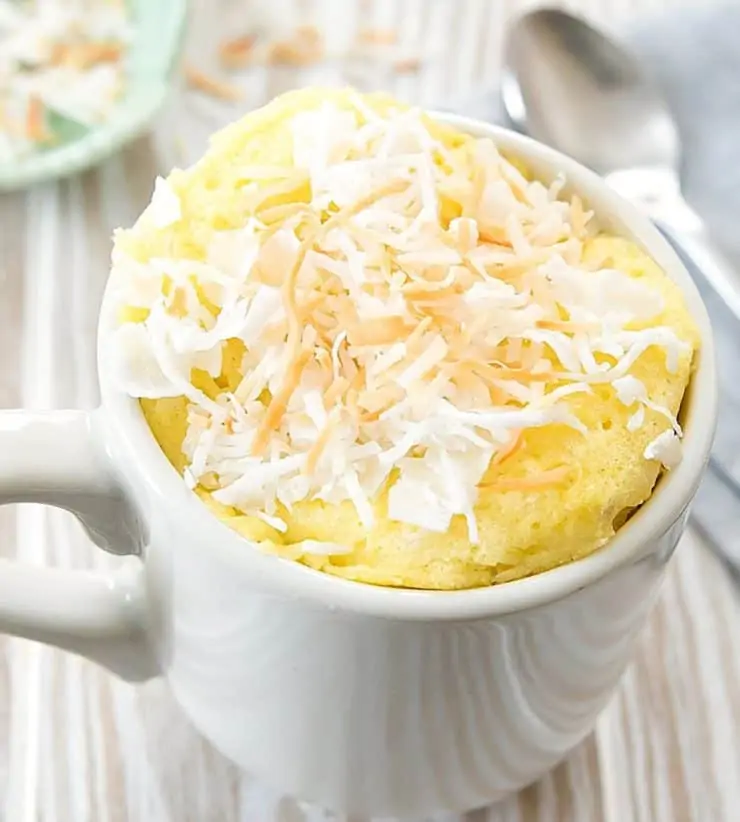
375, 36
407, 65
237, 52
213, 86
305, 46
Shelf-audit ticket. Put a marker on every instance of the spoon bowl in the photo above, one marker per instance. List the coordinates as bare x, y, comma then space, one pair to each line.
575, 88
578, 90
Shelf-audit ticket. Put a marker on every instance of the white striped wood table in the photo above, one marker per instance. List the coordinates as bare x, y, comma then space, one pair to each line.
79, 746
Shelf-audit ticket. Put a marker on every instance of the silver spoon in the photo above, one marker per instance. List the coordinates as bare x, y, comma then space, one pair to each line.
571, 86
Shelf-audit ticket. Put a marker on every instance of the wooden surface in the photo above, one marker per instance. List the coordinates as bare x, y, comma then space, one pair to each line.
77, 746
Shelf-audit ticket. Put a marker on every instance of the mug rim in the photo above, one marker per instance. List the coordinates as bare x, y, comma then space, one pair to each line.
144, 466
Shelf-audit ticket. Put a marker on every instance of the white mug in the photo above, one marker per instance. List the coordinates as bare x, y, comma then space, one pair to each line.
357, 698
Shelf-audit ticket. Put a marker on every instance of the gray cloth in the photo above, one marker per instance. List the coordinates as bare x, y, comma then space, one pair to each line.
694, 55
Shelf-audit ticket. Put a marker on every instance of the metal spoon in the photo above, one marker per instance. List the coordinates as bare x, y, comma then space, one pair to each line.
571, 86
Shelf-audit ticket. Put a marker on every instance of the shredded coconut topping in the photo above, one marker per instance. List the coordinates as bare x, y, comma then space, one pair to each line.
666, 448
401, 328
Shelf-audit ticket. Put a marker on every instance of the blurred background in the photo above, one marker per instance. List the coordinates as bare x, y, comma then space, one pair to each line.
76, 746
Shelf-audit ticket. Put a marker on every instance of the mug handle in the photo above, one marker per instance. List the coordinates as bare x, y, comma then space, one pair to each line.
52, 458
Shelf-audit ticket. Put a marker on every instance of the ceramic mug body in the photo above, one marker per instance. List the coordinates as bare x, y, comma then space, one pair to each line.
384, 716
357, 698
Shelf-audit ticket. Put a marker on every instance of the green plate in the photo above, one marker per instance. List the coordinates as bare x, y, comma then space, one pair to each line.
151, 61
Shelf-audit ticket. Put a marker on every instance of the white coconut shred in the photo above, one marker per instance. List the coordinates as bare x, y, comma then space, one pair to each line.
381, 336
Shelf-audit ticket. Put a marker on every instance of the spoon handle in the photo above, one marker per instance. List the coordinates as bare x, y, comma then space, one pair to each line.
658, 192
722, 276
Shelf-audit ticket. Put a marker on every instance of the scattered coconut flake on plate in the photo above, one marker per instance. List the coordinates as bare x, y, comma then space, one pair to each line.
61, 69
381, 345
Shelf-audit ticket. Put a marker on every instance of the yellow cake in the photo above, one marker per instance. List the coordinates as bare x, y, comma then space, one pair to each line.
482, 293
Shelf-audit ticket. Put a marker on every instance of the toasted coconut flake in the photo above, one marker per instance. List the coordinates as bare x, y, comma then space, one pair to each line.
434, 354
212, 86
36, 129
336, 390
379, 331
279, 404
83, 56
515, 444
237, 52
377, 36
317, 449
303, 48
407, 65
535, 482
376, 402
384, 340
